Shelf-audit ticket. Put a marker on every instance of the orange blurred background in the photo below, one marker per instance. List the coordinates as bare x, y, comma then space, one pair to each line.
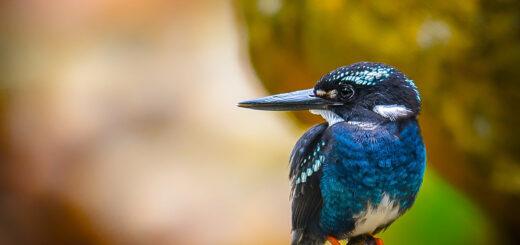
120, 127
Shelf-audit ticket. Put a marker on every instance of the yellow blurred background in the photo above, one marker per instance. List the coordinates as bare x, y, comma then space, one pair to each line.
119, 123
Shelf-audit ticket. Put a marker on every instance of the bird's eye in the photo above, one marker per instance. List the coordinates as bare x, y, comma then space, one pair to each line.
346, 92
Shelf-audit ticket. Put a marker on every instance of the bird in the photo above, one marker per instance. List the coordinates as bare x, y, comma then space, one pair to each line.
355, 174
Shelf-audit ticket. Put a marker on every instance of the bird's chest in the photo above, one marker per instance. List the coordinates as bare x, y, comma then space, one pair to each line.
375, 216
371, 177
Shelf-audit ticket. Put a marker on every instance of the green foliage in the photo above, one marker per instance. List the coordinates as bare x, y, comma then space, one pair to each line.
441, 215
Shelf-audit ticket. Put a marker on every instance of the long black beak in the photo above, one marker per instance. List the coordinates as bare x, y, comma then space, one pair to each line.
293, 101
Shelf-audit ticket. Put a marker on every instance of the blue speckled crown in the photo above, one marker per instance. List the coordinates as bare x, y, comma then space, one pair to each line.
369, 74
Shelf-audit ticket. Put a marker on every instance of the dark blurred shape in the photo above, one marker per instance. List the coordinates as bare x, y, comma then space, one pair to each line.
464, 57
45, 220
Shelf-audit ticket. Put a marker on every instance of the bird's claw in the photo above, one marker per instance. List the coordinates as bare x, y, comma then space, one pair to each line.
365, 240
333, 240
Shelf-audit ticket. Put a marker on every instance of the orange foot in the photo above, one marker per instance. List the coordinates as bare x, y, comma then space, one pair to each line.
334, 241
379, 241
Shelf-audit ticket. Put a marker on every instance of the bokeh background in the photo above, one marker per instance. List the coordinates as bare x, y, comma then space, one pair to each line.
119, 124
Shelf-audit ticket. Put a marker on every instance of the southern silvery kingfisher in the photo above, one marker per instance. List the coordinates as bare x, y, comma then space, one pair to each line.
355, 174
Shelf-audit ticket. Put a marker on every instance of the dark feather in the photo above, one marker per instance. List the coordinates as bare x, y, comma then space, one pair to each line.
307, 199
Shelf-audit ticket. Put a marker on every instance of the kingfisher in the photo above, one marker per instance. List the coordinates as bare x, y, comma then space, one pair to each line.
355, 174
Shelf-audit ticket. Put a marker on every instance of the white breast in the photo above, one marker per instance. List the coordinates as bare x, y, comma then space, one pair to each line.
385, 212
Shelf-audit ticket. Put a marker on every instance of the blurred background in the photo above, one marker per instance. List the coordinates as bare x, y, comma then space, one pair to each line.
119, 124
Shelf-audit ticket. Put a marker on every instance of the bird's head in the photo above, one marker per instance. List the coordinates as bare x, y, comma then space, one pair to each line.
362, 91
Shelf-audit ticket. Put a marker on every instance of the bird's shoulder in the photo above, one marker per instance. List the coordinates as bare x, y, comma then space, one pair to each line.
304, 147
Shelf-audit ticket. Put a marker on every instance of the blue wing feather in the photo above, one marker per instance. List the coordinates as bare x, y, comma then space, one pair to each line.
306, 195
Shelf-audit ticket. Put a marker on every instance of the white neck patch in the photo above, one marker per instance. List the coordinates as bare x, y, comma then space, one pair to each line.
331, 117
364, 125
392, 112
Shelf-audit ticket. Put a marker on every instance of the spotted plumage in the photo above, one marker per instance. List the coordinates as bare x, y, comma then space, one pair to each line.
356, 173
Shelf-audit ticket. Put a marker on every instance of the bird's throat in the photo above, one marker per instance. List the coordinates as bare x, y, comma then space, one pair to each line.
331, 117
